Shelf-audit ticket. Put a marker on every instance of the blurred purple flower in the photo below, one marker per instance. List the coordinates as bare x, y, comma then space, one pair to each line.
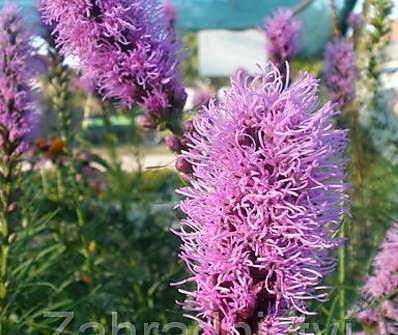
146, 122
125, 48
385, 279
382, 316
173, 143
267, 193
170, 13
354, 20
282, 31
339, 71
202, 96
17, 114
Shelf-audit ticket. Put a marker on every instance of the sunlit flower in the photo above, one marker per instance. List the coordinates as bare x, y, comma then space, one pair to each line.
282, 31
266, 195
125, 48
16, 107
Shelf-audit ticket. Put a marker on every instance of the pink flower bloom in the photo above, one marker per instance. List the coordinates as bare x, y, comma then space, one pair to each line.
16, 108
383, 317
340, 71
125, 48
282, 32
170, 13
266, 194
385, 278
354, 20
202, 96
173, 143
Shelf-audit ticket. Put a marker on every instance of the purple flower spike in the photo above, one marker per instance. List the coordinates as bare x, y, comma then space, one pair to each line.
282, 32
16, 106
383, 317
124, 46
340, 71
266, 195
385, 279
203, 95
354, 20
183, 166
173, 143
170, 13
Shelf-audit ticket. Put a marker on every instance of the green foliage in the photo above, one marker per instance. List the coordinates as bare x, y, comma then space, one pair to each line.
134, 255
310, 65
189, 65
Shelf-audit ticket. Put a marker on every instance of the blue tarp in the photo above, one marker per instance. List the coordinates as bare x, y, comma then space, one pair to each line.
243, 14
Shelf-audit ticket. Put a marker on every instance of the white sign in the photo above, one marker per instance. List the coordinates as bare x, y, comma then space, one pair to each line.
222, 52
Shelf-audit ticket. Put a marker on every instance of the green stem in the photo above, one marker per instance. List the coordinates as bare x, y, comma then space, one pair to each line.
5, 218
358, 199
65, 121
44, 182
5, 249
302, 6
331, 314
333, 16
342, 279
60, 82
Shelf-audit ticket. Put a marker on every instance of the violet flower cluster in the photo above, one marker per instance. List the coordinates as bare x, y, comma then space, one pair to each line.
123, 46
339, 71
203, 95
170, 13
16, 103
266, 195
178, 143
354, 20
381, 318
282, 31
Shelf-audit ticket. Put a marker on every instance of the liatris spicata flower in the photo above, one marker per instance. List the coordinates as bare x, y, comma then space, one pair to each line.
266, 195
203, 95
16, 116
16, 107
339, 71
170, 13
381, 316
125, 48
178, 144
282, 31
354, 20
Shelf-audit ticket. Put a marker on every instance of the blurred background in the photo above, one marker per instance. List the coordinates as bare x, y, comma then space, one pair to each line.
221, 37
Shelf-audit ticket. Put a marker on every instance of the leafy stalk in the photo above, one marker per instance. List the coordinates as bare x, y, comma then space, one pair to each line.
60, 80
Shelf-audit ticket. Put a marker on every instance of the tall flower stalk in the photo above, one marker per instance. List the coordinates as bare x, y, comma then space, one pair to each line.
266, 196
339, 75
339, 72
369, 38
59, 87
16, 118
127, 50
282, 31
